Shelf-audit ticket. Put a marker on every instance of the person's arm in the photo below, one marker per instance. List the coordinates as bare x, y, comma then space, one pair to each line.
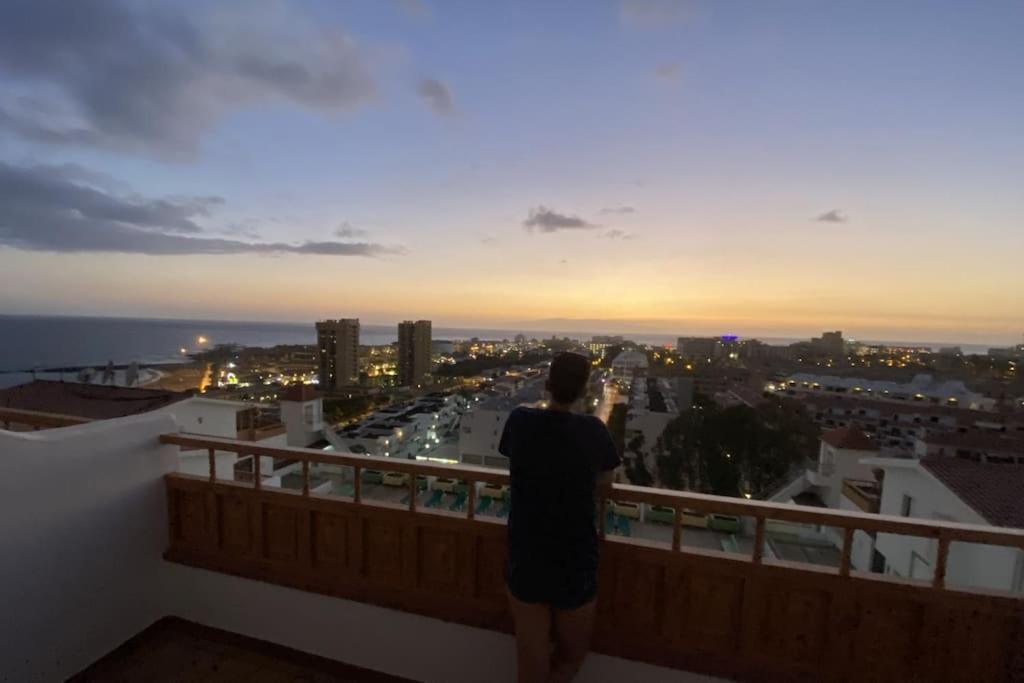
507, 435
604, 483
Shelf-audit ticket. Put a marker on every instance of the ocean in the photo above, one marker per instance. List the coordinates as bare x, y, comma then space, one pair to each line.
43, 343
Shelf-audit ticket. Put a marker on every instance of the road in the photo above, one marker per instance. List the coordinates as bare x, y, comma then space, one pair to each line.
606, 401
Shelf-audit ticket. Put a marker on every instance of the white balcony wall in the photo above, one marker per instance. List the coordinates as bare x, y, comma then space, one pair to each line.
83, 528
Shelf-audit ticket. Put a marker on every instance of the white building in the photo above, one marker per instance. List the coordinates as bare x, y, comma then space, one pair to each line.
922, 388
954, 490
840, 458
194, 414
840, 479
406, 430
629, 364
302, 412
483, 423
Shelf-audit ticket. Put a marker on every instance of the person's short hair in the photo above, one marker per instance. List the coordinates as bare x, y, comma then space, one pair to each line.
567, 378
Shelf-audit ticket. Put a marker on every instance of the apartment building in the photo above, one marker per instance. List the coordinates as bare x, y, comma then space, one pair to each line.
337, 344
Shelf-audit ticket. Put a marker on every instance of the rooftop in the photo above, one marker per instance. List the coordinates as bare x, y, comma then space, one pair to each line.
893, 407
850, 438
531, 392
994, 491
90, 401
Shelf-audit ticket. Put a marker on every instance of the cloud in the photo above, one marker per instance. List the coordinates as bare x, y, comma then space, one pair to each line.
618, 210
437, 96
241, 230
833, 216
52, 208
669, 72
151, 79
346, 229
616, 234
546, 220
488, 240
654, 13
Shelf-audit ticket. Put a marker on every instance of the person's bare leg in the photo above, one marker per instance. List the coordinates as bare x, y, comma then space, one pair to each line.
573, 629
533, 639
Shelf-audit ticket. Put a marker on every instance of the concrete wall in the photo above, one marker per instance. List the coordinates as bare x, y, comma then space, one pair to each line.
480, 433
863, 546
209, 417
302, 432
837, 464
83, 523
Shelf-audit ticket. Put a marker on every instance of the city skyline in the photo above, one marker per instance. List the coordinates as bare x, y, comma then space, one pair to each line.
670, 167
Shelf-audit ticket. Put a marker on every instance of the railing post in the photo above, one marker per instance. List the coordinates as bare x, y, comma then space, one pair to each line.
211, 453
256, 476
305, 478
412, 492
758, 554
939, 578
844, 560
677, 528
357, 487
471, 499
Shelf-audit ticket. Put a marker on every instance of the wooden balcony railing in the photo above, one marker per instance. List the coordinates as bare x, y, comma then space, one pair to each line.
15, 419
863, 494
673, 604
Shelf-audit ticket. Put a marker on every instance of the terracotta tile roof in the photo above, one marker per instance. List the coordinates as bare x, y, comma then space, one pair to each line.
994, 491
91, 401
850, 438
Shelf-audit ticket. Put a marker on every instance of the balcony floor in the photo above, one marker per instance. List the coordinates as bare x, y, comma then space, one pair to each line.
173, 650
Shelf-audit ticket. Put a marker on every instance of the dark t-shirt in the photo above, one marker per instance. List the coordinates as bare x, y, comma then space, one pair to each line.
554, 459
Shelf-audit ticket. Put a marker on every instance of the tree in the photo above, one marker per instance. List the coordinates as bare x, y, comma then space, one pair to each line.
636, 466
734, 450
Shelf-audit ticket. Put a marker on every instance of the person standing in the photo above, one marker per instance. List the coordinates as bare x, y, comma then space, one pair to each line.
559, 462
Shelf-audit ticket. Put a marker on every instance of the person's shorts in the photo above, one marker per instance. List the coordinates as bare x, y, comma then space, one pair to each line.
559, 589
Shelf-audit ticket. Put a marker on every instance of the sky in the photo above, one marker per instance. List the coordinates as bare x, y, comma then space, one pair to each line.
761, 168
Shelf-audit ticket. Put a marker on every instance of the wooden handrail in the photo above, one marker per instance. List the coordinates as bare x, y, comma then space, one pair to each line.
759, 510
412, 467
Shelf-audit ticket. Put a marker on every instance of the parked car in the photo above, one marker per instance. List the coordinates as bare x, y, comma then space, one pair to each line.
395, 479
